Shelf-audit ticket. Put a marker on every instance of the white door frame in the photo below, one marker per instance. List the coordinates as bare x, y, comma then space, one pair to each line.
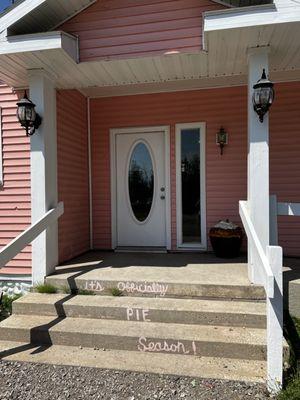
203, 244
113, 177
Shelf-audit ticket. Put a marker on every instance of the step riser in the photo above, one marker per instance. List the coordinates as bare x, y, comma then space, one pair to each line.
158, 345
161, 289
197, 367
141, 315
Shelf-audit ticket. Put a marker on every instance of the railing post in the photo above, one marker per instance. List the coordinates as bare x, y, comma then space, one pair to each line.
275, 322
273, 221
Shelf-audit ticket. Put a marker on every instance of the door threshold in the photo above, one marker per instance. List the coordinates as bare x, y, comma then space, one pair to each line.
145, 249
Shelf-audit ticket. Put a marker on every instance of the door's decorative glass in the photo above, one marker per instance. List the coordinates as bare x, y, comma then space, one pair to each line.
141, 182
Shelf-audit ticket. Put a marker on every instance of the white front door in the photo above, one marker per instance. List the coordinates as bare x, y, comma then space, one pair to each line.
140, 189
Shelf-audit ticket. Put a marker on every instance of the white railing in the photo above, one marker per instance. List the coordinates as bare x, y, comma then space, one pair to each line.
20, 242
267, 265
265, 270
283, 209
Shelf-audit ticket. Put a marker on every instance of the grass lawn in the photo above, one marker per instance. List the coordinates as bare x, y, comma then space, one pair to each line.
292, 389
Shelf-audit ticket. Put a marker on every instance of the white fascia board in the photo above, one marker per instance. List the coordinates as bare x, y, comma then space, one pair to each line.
39, 42
19, 12
250, 17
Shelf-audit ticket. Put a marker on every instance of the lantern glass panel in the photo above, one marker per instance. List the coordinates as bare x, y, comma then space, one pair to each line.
30, 114
22, 114
264, 96
256, 97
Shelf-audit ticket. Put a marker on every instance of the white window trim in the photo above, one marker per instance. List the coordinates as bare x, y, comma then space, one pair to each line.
1, 151
203, 244
113, 180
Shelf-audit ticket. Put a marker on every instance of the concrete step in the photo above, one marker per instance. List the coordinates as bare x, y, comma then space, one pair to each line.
181, 339
171, 364
163, 284
167, 310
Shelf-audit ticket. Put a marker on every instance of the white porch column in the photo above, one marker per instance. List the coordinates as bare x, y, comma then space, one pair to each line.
43, 172
258, 159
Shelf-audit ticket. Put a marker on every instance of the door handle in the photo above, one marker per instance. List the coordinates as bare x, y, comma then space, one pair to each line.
162, 197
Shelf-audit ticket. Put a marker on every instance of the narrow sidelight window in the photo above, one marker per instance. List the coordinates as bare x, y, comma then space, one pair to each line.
190, 186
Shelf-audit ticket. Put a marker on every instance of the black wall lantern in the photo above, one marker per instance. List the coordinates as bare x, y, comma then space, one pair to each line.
27, 115
263, 96
222, 139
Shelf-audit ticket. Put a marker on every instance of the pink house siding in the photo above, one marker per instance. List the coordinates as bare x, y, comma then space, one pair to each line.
73, 178
112, 29
226, 176
210, 106
285, 160
15, 195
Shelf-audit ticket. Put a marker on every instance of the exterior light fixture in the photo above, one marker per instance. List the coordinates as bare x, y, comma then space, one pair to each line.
27, 115
263, 96
222, 139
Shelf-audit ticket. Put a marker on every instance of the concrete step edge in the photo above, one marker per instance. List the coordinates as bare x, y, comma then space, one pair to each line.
171, 364
145, 336
211, 312
160, 288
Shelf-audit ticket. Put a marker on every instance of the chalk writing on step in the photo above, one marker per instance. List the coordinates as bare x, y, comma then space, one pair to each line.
166, 346
137, 314
146, 287
94, 285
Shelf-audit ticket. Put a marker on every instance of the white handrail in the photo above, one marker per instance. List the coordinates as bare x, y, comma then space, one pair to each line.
290, 209
268, 264
252, 236
15, 246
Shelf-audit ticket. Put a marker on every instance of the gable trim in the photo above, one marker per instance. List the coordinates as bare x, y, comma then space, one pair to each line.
20, 11
74, 15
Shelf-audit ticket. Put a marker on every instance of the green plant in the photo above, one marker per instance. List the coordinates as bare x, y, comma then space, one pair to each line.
45, 288
6, 305
296, 324
66, 290
292, 390
85, 292
114, 291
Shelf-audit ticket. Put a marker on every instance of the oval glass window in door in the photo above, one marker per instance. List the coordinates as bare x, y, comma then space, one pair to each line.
141, 181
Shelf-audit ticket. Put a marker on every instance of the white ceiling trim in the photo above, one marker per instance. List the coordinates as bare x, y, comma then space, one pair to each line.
40, 42
282, 11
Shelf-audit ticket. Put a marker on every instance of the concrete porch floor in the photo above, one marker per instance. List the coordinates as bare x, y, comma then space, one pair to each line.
174, 267
187, 270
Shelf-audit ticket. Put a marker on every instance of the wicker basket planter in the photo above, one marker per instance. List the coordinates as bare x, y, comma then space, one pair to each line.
226, 239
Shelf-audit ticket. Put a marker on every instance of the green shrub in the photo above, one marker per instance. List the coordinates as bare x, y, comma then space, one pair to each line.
297, 324
292, 390
115, 291
85, 292
45, 288
6, 305
65, 289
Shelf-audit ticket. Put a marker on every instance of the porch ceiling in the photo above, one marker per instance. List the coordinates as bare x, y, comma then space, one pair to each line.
223, 64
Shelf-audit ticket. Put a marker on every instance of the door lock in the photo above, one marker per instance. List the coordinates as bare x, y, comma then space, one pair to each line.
162, 189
